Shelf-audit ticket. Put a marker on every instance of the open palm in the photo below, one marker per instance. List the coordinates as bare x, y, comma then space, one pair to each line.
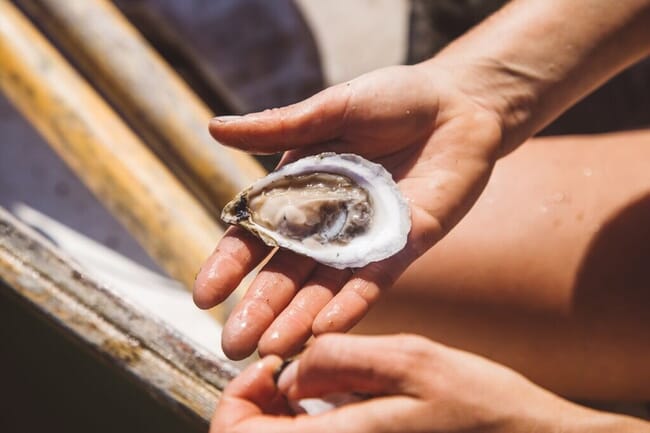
438, 143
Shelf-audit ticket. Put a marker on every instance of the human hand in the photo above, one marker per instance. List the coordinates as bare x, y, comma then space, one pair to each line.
438, 144
415, 386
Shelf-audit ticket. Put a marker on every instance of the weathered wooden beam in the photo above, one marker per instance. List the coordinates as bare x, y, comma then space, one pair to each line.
171, 368
144, 195
156, 102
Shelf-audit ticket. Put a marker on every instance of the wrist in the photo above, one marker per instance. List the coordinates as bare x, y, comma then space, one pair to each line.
569, 417
599, 422
496, 87
532, 60
542, 411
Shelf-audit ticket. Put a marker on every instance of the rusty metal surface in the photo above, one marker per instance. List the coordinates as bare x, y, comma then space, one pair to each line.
157, 103
171, 368
172, 226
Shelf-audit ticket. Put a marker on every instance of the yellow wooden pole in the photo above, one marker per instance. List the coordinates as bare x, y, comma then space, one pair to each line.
159, 105
142, 193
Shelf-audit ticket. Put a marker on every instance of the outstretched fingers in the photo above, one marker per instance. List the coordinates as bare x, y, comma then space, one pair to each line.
355, 298
348, 363
352, 302
292, 328
237, 254
269, 293
317, 119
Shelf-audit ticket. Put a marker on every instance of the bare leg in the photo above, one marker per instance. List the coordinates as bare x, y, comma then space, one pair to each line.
549, 273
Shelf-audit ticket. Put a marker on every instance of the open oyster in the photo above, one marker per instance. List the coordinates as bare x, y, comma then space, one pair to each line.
339, 209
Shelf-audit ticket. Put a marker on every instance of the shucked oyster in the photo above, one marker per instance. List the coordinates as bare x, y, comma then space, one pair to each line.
339, 209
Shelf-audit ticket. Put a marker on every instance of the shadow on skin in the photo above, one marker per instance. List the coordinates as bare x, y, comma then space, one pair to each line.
614, 277
594, 349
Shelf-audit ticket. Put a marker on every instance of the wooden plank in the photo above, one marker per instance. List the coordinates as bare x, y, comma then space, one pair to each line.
180, 375
136, 187
159, 105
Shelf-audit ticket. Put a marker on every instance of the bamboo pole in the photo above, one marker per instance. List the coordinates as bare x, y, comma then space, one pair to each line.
159, 105
170, 224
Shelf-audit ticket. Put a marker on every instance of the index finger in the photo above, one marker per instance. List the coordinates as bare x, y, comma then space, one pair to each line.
316, 119
236, 254
253, 403
249, 394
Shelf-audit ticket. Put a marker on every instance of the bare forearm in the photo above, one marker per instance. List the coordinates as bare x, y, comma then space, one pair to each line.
564, 253
534, 59
585, 420
621, 424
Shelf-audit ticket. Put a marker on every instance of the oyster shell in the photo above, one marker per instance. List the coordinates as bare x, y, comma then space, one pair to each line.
339, 209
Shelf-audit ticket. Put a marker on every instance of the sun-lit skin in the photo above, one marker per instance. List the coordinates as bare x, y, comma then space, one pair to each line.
438, 127
428, 167
423, 387
547, 273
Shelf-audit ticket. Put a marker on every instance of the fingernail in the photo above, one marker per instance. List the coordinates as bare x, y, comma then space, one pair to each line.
273, 361
278, 371
288, 377
226, 119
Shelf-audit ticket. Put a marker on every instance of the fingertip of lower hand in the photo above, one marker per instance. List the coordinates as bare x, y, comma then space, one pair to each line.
270, 365
257, 381
287, 377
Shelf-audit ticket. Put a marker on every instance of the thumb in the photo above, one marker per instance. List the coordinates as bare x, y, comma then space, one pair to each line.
314, 120
250, 394
337, 363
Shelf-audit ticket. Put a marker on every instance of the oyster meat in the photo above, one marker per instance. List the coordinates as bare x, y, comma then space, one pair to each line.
339, 209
